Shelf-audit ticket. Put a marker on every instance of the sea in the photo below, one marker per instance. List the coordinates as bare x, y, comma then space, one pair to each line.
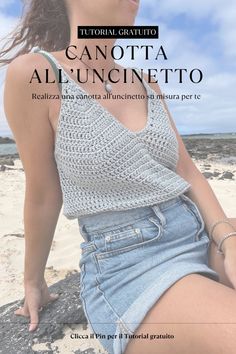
10, 149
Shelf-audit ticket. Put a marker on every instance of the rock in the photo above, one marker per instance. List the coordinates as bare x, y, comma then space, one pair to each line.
6, 161
208, 174
14, 335
9, 156
202, 148
2, 168
15, 235
13, 169
6, 140
227, 175
88, 351
216, 174
201, 155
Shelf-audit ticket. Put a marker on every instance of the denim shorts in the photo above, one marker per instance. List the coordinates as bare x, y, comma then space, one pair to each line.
129, 258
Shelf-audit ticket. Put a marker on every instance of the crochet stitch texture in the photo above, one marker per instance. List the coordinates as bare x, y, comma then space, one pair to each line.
102, 165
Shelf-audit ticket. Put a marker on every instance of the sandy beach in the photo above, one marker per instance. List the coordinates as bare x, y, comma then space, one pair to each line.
65, 253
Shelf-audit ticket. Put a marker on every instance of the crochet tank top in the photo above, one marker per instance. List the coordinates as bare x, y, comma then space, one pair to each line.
104, 166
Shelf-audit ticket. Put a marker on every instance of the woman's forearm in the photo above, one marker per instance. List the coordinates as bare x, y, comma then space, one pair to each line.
204, 197
39, 223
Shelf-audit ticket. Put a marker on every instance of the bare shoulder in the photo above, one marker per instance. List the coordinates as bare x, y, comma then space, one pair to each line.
20, 108
28, 119
21, 69
26, 78
19, 85
26, 61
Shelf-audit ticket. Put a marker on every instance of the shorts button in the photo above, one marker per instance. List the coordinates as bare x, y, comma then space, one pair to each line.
107, 238
137, 231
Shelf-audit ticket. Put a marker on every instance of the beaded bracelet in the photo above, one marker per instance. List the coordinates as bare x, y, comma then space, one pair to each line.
219, 250
215, 224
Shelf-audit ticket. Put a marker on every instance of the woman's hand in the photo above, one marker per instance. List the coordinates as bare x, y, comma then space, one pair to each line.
36, 296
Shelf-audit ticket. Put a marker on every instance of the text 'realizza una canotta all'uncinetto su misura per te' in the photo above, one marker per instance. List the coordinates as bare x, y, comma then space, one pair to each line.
148, 52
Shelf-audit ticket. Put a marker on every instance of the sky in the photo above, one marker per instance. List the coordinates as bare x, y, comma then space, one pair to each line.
199, 34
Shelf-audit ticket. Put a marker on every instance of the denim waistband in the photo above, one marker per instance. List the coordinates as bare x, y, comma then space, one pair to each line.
107, 219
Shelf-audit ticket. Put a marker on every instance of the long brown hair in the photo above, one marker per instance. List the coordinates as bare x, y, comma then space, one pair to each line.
44, 24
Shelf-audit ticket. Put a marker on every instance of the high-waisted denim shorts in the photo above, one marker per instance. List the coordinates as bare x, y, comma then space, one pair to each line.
130, 258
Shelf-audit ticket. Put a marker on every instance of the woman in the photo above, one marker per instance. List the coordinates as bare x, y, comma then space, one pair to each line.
144, 210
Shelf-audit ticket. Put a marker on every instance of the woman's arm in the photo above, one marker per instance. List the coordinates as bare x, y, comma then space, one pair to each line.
29, 122
201, 192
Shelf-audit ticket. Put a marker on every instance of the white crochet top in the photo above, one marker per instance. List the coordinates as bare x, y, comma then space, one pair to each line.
103, 165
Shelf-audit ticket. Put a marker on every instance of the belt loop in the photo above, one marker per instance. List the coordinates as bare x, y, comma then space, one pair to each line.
83, 232
193, 206
159, 214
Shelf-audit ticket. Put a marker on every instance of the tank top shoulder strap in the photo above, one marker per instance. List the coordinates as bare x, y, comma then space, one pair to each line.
53, 63
144, 82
